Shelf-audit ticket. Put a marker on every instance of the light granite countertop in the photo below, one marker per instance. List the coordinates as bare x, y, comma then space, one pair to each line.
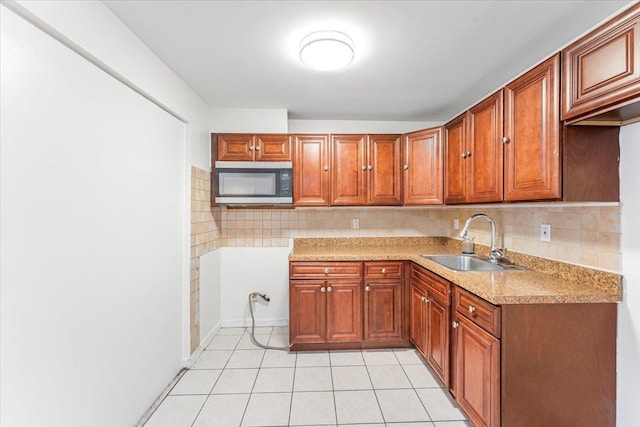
543, 282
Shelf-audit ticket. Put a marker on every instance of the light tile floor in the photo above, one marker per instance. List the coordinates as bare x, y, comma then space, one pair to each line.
235, 383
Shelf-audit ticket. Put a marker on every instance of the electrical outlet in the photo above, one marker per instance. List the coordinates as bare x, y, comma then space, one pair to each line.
456, 223
545, 232
355, 223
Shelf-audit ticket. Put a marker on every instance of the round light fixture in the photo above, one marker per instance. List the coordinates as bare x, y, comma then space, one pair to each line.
326, 50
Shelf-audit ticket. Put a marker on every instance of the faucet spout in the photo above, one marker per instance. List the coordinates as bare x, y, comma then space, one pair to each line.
495, 254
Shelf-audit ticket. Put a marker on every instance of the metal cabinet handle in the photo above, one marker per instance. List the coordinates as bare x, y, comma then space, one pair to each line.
405, 167
384, 271
326, 167
454, 324
471, 309
322, 289
367, 288
326, 271
505, 140
328, 288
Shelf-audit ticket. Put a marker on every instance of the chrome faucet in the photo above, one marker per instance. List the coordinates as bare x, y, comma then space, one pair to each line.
495, 255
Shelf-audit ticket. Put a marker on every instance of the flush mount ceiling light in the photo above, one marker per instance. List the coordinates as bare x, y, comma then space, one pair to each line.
326, 50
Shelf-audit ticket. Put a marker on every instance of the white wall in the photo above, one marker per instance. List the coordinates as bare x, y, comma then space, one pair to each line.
356, 126
248, 120
255, 269
210, 294
629, 309
94, 222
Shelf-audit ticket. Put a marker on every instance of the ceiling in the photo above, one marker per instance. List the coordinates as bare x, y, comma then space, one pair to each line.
415, 60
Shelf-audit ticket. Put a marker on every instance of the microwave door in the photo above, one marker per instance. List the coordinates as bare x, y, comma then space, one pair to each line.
246, 184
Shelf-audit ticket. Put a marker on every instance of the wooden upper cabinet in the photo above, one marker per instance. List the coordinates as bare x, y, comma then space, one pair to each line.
236, 147
273, 147
383, 170
532, 132
602, 70
349, 170
455, 160
311, 170
422, 167
248, 147
484, 156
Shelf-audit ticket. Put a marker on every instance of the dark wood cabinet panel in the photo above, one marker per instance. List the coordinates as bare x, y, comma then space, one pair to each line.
311, 170
477, 361
532, 126
383, 269
422, 167
418, 328
273, 148
344, 310
324, 270
484, 161
349, 170
307, 308
383, 170
455, 140
383, 309
601, 71
236, 147
438, 319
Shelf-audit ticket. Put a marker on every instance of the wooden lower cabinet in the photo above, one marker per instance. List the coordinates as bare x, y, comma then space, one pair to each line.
430, 300
342, 305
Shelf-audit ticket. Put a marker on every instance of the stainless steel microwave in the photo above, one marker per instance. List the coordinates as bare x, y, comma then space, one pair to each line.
253, 183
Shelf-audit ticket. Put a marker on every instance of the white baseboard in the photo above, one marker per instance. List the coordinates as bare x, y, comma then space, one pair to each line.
203, 344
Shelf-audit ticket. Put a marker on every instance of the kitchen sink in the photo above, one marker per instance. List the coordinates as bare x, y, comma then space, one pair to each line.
469, 263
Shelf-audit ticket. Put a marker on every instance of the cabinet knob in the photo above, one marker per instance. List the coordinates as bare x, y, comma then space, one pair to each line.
367, 288
463, 155
251, 148
364, 168
370, 167
471, 309
326, 271
405, 167
468, 153
384, 271
326, 167
328, 288
505, 140
454, 324
322, 289
257, 148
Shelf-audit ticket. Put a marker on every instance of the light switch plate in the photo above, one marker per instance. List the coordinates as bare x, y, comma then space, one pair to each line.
545, 232
456, 224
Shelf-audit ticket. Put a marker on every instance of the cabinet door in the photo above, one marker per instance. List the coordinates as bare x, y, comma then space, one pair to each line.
236, 147
532, 126
602, 69
307, 308
418, 331
455, 149
344, 310
438, 337
422, 168
477, 359
383, 170
273, 148
311, 170
484, 165
383, 309
349, 170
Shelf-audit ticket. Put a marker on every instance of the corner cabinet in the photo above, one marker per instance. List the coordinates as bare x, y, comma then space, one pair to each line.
532, 160
422, 167
347, 305
601, 73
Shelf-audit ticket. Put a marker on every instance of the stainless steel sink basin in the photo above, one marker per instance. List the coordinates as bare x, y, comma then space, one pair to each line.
468, 263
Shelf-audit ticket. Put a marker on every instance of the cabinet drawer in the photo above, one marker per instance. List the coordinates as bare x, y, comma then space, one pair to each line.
314, 270
436, 285
481, 312
384, 269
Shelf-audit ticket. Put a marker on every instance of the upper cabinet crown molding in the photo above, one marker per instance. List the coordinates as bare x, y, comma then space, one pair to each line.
601, 73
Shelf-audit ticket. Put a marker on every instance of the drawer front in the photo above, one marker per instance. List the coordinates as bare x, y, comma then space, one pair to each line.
435, 284
317, 270
479, 311
386, 269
